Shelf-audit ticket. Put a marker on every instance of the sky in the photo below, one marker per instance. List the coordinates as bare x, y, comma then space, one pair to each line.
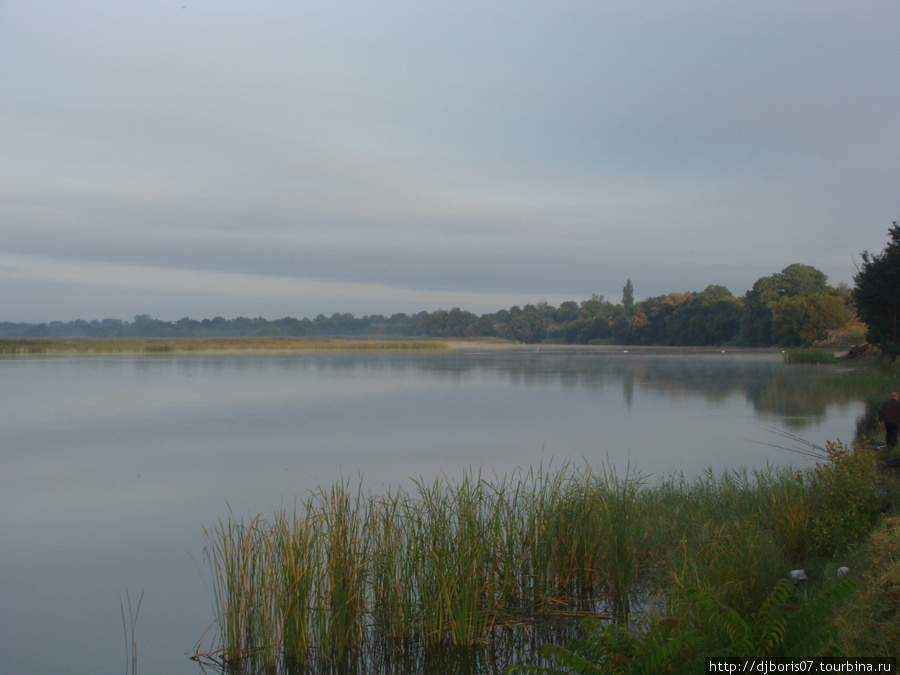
202, 158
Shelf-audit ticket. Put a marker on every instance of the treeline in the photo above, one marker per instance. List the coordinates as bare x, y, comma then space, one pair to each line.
793, 307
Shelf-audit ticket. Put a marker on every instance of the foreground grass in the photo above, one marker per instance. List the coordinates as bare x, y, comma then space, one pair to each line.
480, 562
165, 345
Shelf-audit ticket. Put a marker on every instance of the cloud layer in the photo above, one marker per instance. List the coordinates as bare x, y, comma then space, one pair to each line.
227, 158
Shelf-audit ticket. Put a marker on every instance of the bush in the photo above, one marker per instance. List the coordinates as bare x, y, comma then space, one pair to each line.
844, 499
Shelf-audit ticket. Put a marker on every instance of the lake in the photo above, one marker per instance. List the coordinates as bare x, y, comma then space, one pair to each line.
113, 465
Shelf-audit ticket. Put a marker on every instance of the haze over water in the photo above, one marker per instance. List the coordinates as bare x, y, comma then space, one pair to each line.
113, 465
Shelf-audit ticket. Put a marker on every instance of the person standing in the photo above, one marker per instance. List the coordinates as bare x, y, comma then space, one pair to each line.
889, 418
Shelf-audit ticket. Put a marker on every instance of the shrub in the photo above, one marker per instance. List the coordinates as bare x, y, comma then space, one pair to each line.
844, 499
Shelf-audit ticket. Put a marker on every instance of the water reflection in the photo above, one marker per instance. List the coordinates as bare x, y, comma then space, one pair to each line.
401, 656
791, 393
113, 465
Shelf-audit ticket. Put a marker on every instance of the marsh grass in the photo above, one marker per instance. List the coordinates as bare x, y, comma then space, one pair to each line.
809, 356
470, 563
12, 346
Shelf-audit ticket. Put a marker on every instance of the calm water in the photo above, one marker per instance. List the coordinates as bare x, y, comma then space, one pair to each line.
112, 466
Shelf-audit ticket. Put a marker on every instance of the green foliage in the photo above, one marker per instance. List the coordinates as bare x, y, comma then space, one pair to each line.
458, 564
710, 559
801, 320
708, 318
792, 307
625, 532
843, 497
872, 617
628, 296
709, 629
455, 323
778, 628
809, 356
789, 515
877, 295
614, 648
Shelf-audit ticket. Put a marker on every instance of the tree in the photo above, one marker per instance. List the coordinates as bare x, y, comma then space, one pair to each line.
628, 296
877, 295
771, 296
803, 319
708, 318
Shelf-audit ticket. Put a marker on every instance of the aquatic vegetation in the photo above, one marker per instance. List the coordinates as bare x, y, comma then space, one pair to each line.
446, 564
129, 627
809, 356
708, 628
449, 564
474, 562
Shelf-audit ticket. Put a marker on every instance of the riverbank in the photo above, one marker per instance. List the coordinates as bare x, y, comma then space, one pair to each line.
18, 346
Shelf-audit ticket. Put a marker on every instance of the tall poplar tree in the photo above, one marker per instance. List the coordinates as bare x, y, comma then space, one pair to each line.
628, 296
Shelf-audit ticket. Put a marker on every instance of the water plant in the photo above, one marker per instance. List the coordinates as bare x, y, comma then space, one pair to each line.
708, 628
469, 563
129, 626
342, 570
625, 529
450, 563
809, 356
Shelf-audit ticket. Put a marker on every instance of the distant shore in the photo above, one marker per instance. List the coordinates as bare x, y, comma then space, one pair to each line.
25, 346
162, 345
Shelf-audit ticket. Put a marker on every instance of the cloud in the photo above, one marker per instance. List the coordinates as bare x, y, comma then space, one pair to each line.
171, 293
462, 150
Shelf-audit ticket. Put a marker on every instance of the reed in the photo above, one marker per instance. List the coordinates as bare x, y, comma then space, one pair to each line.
294, 562
622, 557
129, 626
244, 591
790, 514
342, 571
809, 356
453, 564
393, 597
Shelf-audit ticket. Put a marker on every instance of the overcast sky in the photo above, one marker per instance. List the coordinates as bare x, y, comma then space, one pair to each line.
262, 158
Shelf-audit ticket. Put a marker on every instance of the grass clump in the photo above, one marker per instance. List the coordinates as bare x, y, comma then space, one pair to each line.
679, 568
809, 356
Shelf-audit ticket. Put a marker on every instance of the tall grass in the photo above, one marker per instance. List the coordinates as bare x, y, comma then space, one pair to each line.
451, 564
809, 356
